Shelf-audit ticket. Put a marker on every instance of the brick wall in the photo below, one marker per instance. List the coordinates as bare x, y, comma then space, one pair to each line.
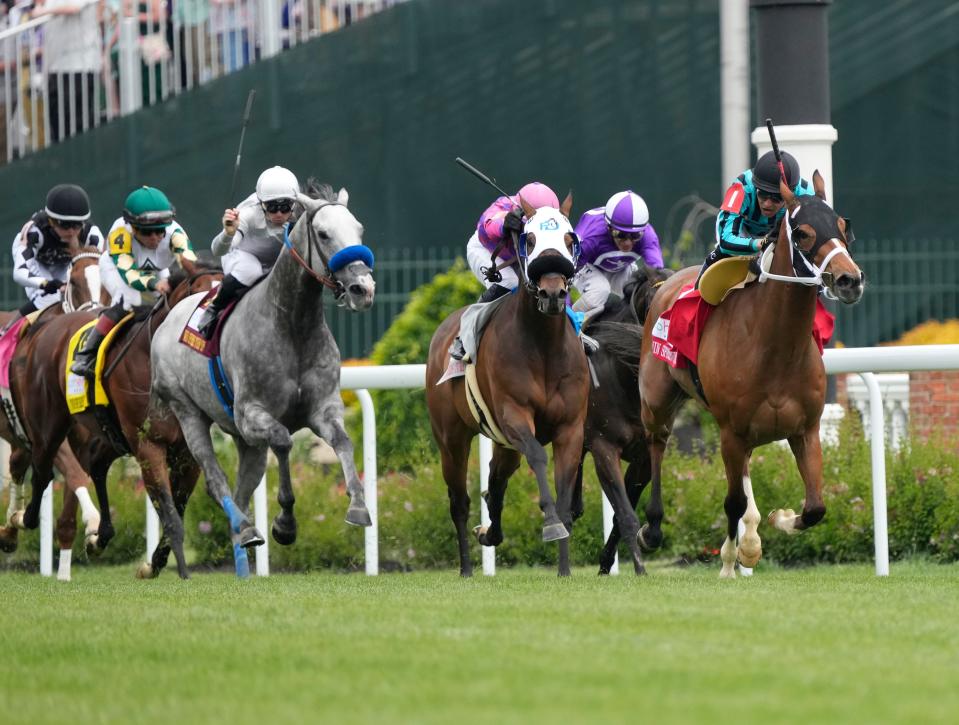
934, 403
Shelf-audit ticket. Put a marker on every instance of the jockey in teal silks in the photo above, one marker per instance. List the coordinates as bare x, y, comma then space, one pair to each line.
753, 208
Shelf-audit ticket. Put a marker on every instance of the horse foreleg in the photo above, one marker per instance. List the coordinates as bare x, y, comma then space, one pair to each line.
19, 467
250, 468
606, 458
734, 458
502, 466
76, 480
750, 545
156, 478
567, 454
808, 452
66, 529
105, 531
454, 448
328, 424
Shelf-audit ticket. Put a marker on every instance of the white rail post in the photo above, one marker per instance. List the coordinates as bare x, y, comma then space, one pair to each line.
877, 445
372, 533
131, 94
269, 27
260, 515
153, 529
607, 530
485, 457
46, 531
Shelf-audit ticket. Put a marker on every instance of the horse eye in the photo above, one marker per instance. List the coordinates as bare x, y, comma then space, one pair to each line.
323, 235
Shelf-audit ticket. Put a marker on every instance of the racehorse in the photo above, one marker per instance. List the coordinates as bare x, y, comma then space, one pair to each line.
38, 384
614, 429
82, 291
282, 365
759, 367
531, 370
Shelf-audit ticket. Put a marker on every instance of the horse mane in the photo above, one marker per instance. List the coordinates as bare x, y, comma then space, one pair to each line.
315, 190
642, 287
205, 262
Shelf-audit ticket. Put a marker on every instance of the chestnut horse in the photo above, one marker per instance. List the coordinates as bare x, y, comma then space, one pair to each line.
760, 369
156, 442
531, 371
82, 291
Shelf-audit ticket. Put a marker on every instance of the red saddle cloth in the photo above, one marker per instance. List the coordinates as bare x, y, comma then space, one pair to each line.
191, 336
8, 346
677, 332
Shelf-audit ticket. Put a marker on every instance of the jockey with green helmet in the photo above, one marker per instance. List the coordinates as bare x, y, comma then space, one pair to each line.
141, 246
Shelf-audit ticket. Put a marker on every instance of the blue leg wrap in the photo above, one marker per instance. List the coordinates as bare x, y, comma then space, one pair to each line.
236, 518
242, 562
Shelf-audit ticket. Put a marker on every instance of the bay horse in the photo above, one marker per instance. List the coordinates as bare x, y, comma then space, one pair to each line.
531, 371
614, 429
38, 382
82, 291
759, 366
282, 365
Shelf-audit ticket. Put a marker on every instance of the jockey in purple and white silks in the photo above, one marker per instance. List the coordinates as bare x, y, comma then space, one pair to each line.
493, 234
251, 240
612, 239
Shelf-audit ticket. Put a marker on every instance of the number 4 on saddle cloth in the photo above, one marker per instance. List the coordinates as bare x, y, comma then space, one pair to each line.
677, 332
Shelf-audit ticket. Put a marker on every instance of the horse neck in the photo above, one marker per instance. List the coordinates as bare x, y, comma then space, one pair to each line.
547, 330
783, 312
297, 297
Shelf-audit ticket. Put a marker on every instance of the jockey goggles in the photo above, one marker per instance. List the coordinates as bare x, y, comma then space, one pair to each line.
274, 206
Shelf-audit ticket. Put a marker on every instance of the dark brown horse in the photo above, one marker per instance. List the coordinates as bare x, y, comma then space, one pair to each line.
82, 291
155, 441
531, 371
614, 429
760, 369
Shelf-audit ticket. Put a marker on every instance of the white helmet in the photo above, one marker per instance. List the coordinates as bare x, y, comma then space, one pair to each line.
277, 183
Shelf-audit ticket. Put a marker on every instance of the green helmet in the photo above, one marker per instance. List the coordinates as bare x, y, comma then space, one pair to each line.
148, 208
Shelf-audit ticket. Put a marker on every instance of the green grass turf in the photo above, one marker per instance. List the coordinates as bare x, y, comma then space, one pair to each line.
826, 644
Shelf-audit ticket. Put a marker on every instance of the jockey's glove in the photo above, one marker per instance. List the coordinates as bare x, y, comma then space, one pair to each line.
513, 222
52, 285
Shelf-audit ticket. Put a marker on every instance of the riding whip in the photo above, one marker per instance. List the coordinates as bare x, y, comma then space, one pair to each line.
480, 175
492, 273
776, 153
239, 151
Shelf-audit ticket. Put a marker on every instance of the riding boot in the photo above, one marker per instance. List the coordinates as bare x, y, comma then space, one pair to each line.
230, 289
493, 292
457, 351
86, 358
714, 256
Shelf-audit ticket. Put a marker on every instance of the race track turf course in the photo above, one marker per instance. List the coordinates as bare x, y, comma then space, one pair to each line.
831, 644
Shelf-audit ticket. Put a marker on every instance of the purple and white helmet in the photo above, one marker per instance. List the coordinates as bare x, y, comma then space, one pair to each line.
627, 212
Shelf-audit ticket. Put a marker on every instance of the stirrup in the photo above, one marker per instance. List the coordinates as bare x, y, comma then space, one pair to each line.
206, 327
84, 365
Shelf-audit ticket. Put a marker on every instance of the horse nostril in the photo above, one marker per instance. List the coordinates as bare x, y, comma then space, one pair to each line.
845, 281
357, 290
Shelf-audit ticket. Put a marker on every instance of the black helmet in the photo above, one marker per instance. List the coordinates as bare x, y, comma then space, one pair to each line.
766, 172
68, 203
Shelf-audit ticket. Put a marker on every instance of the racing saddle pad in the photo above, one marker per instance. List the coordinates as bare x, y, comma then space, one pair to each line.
79, 397
191, 337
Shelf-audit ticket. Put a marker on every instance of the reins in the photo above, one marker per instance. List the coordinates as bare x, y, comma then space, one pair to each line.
325, 280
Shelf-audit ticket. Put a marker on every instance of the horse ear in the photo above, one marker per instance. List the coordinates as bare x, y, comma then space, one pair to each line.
819, 185
306, 202
787, 195
567, 206
188, 266
528, 211
342, 197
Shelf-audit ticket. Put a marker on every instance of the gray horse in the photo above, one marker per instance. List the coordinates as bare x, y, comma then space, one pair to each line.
282, 365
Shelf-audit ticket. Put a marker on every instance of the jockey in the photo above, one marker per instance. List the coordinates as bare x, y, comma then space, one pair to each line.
612, 239
251, 240
493, 239
753, 208
44, 247
142, 245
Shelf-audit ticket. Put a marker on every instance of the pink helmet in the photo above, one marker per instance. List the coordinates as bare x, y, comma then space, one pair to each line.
538, 195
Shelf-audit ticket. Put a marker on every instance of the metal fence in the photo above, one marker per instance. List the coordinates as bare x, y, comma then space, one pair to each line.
63, 74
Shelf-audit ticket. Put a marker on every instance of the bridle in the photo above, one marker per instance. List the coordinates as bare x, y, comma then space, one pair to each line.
67, 303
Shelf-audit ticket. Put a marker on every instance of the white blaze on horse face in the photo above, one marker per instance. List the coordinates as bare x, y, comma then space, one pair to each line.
92, 273
550, 228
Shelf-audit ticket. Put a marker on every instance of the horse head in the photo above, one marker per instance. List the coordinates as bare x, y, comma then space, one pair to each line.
823, 237
548, 251
337, 237
191, 277
83, 289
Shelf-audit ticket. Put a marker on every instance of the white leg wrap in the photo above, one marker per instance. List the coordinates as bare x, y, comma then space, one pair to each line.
63, 571
89, 512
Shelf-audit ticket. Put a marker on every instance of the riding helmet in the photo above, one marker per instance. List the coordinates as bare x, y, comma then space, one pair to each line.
277, 183
68, 203
148, 208
766, 172
627, 212
538, 195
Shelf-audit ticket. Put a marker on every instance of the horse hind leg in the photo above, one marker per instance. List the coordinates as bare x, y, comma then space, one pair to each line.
76, 480
66, 530
454, 457
606, 458
19, 468
156, 478
808, 452
503, 465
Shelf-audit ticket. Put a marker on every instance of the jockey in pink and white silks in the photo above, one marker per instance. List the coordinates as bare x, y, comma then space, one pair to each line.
612, 238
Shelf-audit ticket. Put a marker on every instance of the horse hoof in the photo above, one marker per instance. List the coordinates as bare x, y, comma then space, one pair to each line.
8, 540
282, 536
750, 551
727, 572
555, 532
649, 540
250, 537
358, 516
16, 521
91, 546
146, 571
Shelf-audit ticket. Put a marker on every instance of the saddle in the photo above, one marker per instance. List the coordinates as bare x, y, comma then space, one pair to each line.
191, 337
724, 276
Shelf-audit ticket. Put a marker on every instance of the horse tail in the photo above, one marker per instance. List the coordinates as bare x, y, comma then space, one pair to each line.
619, 340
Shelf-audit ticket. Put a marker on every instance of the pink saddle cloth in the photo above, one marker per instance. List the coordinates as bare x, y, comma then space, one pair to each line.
8, 346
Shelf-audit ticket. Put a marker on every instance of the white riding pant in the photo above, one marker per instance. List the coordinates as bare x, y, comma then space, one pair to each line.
595, 287
478, 256
244, 267
119, 290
